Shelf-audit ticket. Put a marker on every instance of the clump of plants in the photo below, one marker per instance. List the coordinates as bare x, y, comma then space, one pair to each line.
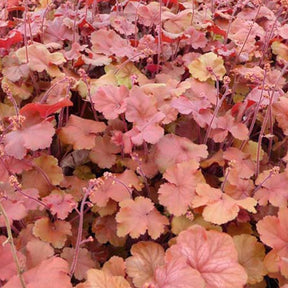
143, 144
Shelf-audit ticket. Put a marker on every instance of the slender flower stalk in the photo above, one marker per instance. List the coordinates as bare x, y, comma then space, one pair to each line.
265, 120
87, 191
12, 246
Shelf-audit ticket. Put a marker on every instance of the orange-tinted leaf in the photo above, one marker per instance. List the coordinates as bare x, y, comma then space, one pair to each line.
137, 216
49, 165
276, 262
179, 192
219, 207
280, 109
115, 266
274, 190
251, 255
103, 154
141, 266
46, 171
117, 189
55, 233
41, 59
105, 231
80, 133
273, 230
101, 279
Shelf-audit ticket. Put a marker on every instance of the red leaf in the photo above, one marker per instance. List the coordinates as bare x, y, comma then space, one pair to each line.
45, 109
16, 8
241, 106
87, 25
12, 38
153, 67
134, 42
175, 3
216, 30
170, 3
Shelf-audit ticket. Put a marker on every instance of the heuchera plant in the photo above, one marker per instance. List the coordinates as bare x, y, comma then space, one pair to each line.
143, 144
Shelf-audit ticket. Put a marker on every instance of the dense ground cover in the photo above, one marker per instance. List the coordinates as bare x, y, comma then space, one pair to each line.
143, 144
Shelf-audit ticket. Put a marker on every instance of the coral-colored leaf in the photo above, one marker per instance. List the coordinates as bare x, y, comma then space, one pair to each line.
140, 106
172, 149
280, 109
149, 14
103, 154
273, 230
84, 261
7, 263
137, 216
220, 208
110, 100
34, 137
203, 251
14, 209
60, 203
118, 188
55, 233
101, 279
80, 132
108, 42
177, 274
35, 258
41, 59
141, 266
148, 131
274, 190
227, 123
53, 270
243, 166
179, 192
115, 266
